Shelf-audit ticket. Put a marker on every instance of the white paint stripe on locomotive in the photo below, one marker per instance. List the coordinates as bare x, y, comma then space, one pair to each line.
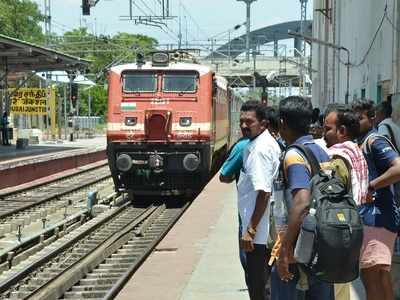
204, 126
175, 127
119, 126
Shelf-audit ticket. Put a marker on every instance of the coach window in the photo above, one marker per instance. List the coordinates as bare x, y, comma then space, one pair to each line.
180, 83
140, 82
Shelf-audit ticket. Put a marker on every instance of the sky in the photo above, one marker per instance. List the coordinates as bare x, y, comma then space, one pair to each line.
205, 18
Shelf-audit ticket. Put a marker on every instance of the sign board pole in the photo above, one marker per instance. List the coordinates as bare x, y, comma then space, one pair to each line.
65, 112
53, 111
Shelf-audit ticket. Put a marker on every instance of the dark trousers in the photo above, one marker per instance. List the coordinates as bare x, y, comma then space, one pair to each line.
281, 290
4, 136
257, 272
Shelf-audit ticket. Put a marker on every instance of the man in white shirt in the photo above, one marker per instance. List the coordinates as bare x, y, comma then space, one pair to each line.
260, 167
385, 124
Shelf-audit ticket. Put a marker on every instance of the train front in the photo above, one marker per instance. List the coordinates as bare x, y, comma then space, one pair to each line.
159, 126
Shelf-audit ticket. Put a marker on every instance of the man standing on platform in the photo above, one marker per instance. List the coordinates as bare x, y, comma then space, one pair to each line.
260, 167
4, 129
296, 114
230, 171
381, 214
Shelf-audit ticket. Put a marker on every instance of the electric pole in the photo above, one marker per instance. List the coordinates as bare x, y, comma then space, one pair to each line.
248, 24
303, 19
47, 20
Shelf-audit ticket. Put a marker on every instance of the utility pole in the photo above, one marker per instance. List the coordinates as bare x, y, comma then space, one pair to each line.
47, 31
248, 24
47, 20
303, 19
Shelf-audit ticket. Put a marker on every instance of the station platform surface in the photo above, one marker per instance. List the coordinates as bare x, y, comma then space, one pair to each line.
20, 166
10, 153
199, 259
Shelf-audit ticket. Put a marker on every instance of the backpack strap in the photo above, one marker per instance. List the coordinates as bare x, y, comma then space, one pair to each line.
366, 145
392, 139
310, 157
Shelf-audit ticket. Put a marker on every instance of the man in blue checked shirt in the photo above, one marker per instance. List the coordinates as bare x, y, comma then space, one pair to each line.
230, 171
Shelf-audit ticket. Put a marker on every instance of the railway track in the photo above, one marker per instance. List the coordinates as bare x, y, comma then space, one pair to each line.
93, 261
21, 208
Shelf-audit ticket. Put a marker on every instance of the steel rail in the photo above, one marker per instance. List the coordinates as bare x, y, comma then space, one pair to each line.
51, 197
18, 277
51, 181
117, 287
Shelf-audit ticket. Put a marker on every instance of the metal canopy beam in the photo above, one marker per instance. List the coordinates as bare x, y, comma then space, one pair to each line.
24, 56
21, 56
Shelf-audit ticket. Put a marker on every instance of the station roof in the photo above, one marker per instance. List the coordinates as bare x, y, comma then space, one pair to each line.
260, 37
21, 56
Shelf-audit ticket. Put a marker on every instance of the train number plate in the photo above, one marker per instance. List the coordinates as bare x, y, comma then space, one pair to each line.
157, 101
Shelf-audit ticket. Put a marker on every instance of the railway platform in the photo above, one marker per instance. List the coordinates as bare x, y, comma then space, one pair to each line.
20, 166
198, 259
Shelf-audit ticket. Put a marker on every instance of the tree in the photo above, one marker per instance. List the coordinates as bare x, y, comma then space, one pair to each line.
103, 51
21, 19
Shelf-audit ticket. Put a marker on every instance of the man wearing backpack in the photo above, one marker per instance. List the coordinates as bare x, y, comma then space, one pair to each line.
296, 114
381, 214
341, 128
385, 124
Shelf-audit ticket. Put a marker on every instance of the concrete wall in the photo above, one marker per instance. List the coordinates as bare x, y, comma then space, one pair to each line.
353, 25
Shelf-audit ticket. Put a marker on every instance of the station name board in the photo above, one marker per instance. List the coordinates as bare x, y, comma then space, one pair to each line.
30, 101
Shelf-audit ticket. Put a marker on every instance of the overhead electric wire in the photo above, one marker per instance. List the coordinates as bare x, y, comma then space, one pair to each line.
373, 40
194, 20
371, 44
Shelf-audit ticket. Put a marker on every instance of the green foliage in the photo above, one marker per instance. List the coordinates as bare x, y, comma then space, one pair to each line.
98, 103
21, 19
103, 51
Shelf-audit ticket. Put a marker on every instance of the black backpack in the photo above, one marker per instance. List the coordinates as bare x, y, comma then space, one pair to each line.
339, 229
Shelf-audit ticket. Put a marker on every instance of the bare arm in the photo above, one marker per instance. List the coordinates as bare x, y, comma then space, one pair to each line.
300, 204
301, 201
392, 175
226, 179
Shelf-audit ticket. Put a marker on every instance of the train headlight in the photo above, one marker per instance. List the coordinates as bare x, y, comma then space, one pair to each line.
124, 163
130, 121
156, 161
185, 121
191, 162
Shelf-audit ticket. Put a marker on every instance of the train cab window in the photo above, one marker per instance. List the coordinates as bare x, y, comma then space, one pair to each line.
180, 83
140, 82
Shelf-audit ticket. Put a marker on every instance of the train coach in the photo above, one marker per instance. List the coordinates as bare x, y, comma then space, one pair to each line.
168, 124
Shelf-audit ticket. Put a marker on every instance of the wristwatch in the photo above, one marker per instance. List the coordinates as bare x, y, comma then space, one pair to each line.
251, 231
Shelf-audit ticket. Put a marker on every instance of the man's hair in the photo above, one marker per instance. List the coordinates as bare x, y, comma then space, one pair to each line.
345, 117
315, 115
272, 114
385, 108
296, 112
257, 107
364, 105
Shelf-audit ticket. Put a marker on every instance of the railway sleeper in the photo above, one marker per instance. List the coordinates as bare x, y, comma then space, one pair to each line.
105, 281
89, 288
125, 260
84, 295
106, 274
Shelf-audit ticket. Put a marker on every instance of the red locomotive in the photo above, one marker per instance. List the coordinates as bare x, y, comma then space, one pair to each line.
168, 124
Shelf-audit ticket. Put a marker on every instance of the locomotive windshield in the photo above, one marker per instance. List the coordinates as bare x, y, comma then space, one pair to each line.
180, 83
140, 82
